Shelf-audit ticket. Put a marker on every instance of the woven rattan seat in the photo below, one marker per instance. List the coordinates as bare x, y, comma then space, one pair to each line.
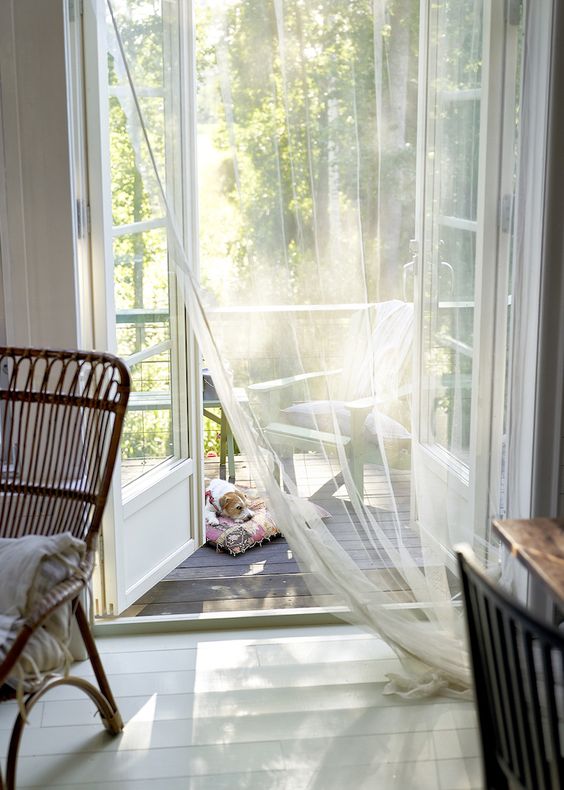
61, 414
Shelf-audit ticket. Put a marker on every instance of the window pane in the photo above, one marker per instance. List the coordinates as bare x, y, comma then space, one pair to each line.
142, 272
135, 195
449, 257
300, 168
458, 37
148, 431
141, 290
459, 145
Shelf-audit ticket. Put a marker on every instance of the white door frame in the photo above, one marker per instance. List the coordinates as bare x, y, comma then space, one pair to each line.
170, 494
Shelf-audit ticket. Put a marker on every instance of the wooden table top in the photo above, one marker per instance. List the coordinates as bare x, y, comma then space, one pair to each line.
539, 544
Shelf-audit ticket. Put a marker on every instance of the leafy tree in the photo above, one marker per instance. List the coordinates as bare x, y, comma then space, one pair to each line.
307, 115
317, 128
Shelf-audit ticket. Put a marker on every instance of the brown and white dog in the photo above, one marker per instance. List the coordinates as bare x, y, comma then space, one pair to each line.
224, 499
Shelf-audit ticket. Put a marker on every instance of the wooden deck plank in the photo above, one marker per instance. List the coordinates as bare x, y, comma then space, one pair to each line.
207, 555
259, 586
250, 604
235, 571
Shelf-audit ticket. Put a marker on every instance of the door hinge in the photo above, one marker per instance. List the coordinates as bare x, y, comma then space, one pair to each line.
513, 12
82, 218
505, 213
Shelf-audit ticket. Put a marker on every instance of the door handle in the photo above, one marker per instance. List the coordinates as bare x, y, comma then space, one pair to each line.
445, 266
408, 272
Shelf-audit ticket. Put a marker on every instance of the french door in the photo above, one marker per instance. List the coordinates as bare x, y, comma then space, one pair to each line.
469, 67
467, 88
154, 521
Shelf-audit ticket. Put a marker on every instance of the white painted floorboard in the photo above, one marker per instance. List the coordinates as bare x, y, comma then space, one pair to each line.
286, 709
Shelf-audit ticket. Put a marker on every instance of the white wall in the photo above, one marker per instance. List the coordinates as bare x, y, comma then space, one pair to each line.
548, 484
37, 205
561, 475
2, 310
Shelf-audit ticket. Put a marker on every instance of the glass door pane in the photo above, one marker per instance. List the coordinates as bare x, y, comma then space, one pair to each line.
144, 292
451, 226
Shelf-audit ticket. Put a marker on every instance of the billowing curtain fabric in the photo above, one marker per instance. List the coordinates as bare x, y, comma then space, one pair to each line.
330, 134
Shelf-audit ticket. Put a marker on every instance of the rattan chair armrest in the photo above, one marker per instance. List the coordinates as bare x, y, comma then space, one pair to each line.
66, 590
63, 592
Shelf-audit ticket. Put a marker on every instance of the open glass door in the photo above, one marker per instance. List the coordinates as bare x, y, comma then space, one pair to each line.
155, 522
466, 182
467, 108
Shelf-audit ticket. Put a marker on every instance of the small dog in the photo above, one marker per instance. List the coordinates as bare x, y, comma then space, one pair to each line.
223, 499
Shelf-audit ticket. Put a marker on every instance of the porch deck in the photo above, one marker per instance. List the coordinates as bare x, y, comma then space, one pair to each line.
268, 576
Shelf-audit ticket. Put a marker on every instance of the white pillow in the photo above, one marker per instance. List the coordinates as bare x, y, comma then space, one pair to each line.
376, 422
317, 415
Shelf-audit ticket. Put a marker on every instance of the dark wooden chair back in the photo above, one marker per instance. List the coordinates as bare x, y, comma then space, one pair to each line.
518, 668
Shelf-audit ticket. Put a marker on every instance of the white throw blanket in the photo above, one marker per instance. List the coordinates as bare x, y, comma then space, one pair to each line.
29, 568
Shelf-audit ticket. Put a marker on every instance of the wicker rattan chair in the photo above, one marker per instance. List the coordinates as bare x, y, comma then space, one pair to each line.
518, 665
61, 414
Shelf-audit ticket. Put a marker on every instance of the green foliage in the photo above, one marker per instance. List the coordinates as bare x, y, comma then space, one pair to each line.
212, 436
318, 162
147, 435
141, 270
307, 163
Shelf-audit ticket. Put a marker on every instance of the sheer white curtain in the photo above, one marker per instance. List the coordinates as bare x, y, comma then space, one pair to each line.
330, 134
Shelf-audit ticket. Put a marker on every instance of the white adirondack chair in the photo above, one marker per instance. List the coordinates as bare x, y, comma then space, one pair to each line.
367, 399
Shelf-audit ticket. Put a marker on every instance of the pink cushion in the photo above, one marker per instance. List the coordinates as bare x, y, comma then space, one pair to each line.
236, 538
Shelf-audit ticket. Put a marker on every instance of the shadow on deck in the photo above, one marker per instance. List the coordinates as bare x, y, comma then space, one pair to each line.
268, 577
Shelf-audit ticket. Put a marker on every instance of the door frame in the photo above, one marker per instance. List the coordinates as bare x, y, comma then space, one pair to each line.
536, 206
